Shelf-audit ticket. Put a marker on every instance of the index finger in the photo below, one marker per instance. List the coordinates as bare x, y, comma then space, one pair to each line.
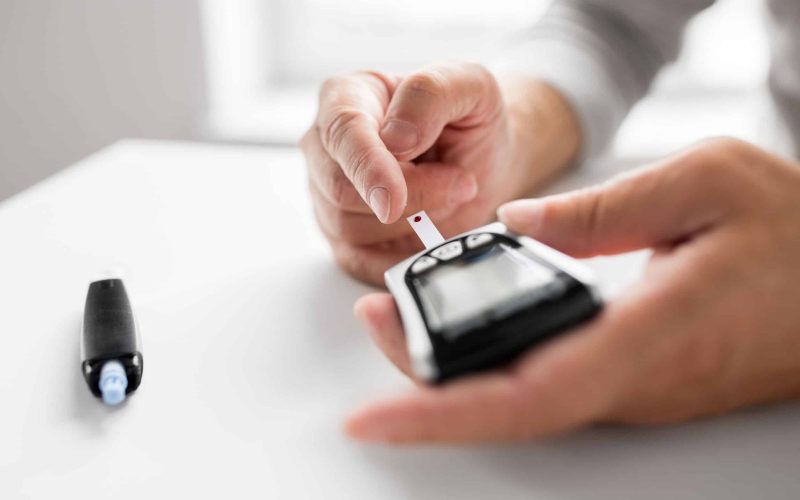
351, 109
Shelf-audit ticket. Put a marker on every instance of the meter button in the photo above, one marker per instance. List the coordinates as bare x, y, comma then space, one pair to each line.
555, 289
448, 251
423, 264
476, 240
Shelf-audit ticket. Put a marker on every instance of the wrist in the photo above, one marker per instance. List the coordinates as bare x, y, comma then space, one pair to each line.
545, 132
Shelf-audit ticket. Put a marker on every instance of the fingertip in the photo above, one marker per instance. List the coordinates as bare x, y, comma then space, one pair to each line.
386, 329
381, 183
350, 426
359, 426
522, 216
388, 208
369, 308
387, 421
380, 201
359, 308
398, 199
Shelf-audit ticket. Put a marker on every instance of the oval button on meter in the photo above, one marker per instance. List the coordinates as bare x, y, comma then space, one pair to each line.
448, 251
423, 264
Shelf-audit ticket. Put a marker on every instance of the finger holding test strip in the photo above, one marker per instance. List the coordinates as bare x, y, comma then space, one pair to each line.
386, 146
369, 123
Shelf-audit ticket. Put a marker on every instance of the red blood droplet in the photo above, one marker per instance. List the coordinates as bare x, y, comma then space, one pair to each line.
417, 218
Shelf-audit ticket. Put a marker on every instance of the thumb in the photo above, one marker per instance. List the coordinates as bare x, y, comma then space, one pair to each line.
654, 206
426, 101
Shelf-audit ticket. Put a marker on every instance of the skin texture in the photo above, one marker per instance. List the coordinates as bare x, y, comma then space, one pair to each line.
451, 139
712, 326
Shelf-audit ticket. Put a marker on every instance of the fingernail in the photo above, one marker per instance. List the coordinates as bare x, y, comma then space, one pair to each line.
379, 201
399, 136
463, 189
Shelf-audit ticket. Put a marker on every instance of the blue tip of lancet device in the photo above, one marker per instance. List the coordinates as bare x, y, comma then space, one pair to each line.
113, 382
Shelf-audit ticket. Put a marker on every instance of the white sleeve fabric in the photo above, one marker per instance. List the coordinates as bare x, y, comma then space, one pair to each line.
784, 74
602, 55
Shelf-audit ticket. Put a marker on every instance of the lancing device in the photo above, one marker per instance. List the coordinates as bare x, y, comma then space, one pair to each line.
111, 351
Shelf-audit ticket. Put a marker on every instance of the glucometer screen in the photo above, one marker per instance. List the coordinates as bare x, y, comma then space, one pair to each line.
474, 291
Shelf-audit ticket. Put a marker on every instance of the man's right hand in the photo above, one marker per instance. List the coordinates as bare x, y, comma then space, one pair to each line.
713, 325
446, 139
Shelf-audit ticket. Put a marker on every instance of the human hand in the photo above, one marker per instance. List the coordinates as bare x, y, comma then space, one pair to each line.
447, 139
713, 325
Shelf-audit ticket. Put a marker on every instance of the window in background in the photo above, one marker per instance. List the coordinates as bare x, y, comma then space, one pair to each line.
266, 58
715, 88
310, 39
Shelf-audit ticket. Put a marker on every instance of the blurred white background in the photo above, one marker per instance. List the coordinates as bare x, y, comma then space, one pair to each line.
80, 74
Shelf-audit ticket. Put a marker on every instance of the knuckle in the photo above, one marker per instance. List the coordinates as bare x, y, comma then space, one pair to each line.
360, 163
377, 81
476, 68
481, 73
432, 82
338, 128
728, 146
721, 156
722, 168
332, 84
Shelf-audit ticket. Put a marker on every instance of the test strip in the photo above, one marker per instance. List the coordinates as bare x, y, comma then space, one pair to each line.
427, 232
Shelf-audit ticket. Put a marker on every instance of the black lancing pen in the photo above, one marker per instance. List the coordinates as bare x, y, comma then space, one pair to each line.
111, 352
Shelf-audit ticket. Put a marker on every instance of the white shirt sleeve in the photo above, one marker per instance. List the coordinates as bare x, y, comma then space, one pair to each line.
602, 55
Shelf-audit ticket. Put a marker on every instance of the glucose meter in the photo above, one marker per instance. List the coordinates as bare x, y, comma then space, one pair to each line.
480, 299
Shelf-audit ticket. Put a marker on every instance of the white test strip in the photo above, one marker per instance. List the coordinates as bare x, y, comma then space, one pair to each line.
427, 232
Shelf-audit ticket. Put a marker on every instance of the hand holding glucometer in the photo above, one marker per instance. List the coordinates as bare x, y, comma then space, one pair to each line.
469, 318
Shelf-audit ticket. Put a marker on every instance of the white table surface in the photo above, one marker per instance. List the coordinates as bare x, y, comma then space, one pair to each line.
252, 357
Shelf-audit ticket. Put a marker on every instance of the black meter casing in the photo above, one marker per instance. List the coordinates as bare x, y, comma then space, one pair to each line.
482, 298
